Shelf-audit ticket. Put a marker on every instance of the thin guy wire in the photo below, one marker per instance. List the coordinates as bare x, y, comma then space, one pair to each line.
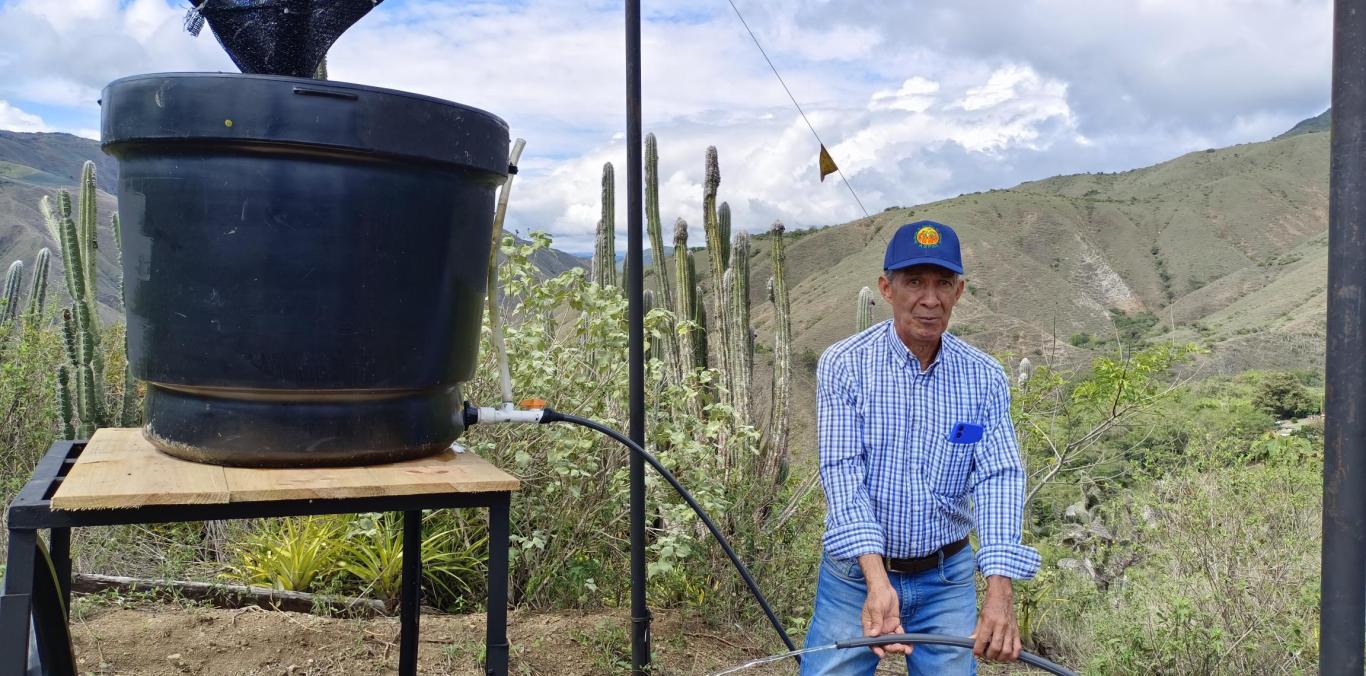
755, 38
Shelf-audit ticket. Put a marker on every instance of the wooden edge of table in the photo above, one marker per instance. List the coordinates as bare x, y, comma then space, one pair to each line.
121, 469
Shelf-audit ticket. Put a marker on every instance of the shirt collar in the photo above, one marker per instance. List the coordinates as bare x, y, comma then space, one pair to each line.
902, 355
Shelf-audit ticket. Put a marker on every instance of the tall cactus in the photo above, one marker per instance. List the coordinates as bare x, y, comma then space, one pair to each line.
37, 289
776, 458
89, 242
741, 342
668, 349
14, 281
717, 254
653, 223
605, 254
79, 244
80, 323
699, 316
683, 309
864, 317
711, 222
739, 261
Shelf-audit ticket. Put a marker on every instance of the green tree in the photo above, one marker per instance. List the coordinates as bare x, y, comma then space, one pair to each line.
1282, 395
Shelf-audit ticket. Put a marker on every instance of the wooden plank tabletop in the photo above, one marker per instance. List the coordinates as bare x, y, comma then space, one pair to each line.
121, 469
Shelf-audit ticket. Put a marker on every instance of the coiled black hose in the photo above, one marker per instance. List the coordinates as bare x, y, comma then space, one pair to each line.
551, 416
887, 639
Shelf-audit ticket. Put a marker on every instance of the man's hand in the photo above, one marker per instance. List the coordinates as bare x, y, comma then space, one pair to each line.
998, 637
881, 608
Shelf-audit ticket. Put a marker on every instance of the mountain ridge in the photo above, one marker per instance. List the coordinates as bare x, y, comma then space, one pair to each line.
1201, 243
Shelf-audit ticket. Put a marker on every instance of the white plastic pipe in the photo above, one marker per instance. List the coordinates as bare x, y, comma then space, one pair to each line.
495, 317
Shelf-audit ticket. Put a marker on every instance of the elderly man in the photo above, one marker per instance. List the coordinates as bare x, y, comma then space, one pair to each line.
912, 423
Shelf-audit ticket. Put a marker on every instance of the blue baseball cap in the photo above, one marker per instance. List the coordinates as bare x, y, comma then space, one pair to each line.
923, 242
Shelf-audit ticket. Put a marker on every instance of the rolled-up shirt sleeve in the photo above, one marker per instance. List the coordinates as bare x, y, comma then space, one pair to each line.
998, 492
851, 525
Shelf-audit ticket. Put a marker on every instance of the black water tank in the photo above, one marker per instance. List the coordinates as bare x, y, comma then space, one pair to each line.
304, 263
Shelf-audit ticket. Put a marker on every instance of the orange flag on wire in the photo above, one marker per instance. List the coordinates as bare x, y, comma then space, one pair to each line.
827, 163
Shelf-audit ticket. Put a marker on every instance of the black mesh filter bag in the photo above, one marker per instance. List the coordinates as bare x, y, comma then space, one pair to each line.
277, 37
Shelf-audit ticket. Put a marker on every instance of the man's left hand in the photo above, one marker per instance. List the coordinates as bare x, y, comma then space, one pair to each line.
997, 635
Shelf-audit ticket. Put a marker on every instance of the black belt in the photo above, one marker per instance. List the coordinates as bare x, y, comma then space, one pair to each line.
923, 563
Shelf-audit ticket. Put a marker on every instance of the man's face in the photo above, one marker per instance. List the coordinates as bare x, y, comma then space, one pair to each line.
922, 299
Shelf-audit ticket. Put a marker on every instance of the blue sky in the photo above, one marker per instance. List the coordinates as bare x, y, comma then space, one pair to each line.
917, 100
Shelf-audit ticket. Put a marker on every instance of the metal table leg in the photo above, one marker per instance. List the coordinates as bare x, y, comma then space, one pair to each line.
59, 548
16, 602
32, 594
496, 639
411, 595
50, 617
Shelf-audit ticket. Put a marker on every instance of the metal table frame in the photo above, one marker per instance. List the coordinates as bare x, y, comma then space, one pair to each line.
43, 595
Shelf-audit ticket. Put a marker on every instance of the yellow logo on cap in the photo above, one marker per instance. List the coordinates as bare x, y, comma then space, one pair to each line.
927, 236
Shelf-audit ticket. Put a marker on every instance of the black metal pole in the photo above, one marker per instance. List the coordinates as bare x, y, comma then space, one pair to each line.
1343, 600
410, 595
640, 613
496, 630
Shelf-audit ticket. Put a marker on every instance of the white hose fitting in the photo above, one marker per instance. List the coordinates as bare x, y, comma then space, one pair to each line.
507, 413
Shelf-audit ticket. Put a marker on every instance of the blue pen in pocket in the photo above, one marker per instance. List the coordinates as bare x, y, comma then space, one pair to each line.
965, 433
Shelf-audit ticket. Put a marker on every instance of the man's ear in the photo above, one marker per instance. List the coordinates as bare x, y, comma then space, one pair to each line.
884, 286
962, 284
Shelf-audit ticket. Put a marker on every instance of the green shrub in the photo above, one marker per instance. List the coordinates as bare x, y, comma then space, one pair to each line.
289, 554
1282, 395
1224, 579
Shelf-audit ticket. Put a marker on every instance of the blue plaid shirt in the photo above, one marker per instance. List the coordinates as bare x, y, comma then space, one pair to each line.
895, 482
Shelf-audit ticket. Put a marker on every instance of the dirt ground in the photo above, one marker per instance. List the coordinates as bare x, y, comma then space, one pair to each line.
169, 639
119, 636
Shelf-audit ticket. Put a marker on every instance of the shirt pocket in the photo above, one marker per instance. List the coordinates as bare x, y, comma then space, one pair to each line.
948, 463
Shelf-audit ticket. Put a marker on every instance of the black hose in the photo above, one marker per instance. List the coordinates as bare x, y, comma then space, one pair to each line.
887, 639
551, 416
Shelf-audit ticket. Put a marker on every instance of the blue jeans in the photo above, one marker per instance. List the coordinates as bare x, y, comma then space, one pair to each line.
941, 600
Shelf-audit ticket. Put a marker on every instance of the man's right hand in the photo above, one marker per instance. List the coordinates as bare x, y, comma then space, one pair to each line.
881, 608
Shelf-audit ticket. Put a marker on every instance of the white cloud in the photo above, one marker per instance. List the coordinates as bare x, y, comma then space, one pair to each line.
916, 95
917, 101
63, 53
13, 119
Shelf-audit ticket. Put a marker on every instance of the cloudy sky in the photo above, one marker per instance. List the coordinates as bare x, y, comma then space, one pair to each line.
917, 101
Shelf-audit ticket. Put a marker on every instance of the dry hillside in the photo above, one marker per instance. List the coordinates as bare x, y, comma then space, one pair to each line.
1230, 244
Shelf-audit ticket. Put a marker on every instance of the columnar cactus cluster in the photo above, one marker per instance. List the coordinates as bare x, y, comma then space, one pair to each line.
604, 253
864, 318
80, 321
723, 311
13, 294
